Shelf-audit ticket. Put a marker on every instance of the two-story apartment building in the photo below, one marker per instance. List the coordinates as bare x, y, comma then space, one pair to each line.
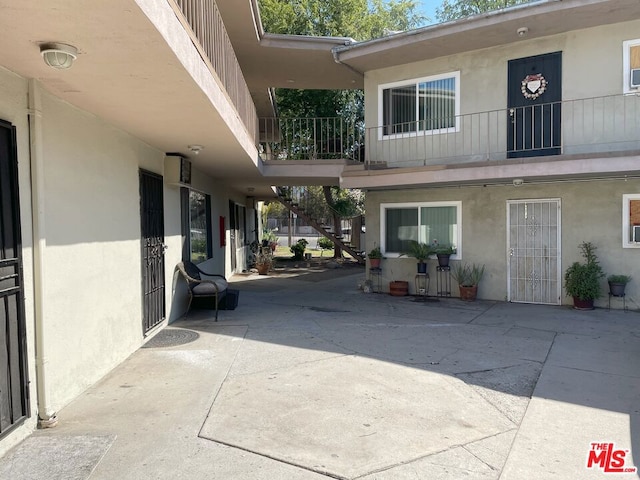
512, 135
516, 130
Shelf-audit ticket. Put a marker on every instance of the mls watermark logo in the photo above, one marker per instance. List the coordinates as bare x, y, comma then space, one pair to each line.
609, 459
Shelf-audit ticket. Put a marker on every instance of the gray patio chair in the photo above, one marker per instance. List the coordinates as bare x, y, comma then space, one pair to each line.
202, 284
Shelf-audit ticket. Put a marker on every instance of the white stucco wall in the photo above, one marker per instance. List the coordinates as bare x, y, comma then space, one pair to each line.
590, 212
13, 108
592, 66
92, 266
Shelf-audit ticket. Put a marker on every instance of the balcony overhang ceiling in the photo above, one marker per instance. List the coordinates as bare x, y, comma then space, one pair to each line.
283, 61
541, 19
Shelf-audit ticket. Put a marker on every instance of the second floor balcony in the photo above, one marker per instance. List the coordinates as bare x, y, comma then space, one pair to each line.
596, 126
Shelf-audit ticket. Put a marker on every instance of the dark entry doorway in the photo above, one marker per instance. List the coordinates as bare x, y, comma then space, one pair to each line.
153, 247
14, 397
534, 106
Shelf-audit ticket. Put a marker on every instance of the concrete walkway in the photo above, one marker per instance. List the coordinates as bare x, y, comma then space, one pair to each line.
309, 378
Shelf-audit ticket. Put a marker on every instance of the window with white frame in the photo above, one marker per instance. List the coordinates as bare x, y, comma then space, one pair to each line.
420, 106
429, 222
631, 66
631, 220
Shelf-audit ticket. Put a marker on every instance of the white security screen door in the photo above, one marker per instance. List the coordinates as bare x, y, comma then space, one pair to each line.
533, 247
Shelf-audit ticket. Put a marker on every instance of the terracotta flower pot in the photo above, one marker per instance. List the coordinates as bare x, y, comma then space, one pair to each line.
468, 294
580, 304
399, 288
263, 268
375, 262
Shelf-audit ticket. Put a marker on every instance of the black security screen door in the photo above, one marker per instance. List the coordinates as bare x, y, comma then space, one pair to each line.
534, 106
14, 405
152, 228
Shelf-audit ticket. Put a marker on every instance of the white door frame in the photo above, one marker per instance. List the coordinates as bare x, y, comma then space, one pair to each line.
509, 253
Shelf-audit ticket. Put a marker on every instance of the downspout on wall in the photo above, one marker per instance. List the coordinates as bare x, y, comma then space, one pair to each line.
46, 417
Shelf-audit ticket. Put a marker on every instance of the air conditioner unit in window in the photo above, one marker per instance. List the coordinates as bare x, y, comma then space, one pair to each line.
636, 233
635, 78
177, 171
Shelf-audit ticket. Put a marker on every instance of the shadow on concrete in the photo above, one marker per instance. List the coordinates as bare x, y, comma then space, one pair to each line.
508, 353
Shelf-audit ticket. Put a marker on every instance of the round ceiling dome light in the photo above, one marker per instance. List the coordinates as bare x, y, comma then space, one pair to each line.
58, 55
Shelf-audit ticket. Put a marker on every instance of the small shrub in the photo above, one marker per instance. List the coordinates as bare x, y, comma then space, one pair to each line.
298, 249
467, 275
325, 243
624, 279
582, 280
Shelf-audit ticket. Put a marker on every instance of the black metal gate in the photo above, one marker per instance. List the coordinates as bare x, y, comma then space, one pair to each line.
534, 101
152, 229
14, 390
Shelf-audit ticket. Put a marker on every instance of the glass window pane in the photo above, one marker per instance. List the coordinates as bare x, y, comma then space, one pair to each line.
401, 227
399, 109
437, 104
198, 226
439, 225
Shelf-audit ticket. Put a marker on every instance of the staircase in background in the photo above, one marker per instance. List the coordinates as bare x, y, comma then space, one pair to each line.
337, 239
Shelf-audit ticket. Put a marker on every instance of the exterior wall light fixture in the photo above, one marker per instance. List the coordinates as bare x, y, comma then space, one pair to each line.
58, 55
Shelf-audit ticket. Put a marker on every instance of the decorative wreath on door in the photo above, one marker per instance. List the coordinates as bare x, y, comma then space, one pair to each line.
533, 86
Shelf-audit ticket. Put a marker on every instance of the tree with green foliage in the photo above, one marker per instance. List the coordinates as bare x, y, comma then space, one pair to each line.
357, 19
455, 9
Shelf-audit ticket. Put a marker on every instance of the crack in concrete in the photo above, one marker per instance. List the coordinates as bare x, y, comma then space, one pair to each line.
497, 469
600, 372
481, 314
486, 370
314, 469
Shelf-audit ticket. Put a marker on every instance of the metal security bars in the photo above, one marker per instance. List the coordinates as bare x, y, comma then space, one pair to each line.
14, 382
311, 138
586, 126
572, 127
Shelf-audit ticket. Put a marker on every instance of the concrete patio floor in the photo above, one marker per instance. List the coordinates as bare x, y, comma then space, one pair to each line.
310, 378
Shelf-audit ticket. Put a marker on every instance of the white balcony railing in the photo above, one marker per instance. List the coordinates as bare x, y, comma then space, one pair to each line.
583, 126
588, 126
206, 24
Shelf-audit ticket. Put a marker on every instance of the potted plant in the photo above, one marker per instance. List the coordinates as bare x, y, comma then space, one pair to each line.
421, 252
269, 238
375, 256
443, 253
264, 260
617, 284
468, 278
582, 280
298, 249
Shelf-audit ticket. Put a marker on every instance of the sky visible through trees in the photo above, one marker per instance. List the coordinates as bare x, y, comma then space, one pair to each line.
428, 9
